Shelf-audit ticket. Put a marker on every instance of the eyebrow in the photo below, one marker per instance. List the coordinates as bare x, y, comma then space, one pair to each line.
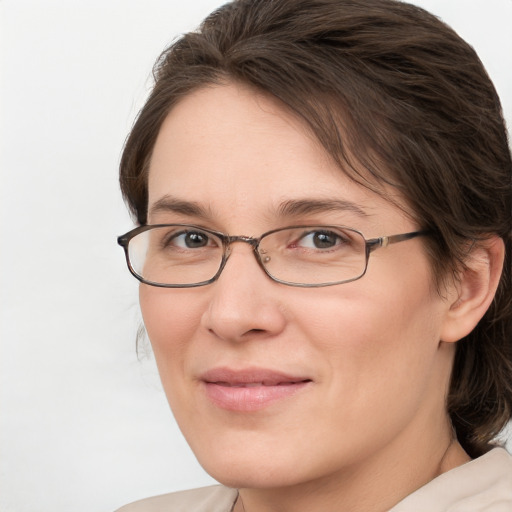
171, 204
289, 208
297, 207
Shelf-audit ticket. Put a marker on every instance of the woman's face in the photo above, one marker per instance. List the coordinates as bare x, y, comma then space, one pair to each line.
274, 385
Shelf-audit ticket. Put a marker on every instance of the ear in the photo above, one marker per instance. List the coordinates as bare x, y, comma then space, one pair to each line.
475, 288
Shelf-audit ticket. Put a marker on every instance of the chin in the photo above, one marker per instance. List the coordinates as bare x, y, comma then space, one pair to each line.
249, 462
240, 475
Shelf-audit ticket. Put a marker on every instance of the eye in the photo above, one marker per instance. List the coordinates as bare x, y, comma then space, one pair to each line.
191, 240
320, 240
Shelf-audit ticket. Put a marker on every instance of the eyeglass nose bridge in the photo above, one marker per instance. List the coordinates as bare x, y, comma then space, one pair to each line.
253, 242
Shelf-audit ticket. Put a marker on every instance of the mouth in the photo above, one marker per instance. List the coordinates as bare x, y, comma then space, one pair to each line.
251, 389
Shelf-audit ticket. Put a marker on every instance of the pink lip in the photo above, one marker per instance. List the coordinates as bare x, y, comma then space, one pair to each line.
250, 389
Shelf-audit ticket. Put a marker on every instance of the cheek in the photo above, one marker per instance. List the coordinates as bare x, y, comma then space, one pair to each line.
375, 346
170, 320
365, 322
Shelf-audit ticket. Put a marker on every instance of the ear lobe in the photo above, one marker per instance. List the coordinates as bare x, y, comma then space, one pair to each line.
475, 289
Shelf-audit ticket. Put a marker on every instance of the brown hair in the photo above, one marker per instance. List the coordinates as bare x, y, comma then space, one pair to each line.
391, 86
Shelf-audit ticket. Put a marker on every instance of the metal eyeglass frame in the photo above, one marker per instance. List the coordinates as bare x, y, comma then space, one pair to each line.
370, 245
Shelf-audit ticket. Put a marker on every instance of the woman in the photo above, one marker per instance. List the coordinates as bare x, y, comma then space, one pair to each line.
323, 193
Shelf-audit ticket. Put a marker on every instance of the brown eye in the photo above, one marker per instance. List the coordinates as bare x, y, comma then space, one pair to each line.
194, 240
190, 240
320, 240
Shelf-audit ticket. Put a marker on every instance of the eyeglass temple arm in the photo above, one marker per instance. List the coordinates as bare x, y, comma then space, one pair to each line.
384, 241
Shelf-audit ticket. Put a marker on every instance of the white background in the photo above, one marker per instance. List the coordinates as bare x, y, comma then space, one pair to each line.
84, 425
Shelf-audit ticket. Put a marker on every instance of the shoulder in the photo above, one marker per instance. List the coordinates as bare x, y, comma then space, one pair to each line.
216, 498
482, 485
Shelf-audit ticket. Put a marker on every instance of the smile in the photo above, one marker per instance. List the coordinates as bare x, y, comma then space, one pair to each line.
249, 390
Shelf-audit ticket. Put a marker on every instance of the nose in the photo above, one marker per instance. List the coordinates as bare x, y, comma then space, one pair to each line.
244, 302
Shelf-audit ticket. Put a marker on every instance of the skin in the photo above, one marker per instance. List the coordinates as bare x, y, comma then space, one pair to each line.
371, 427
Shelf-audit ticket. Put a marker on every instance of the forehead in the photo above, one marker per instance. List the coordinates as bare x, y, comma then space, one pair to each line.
230, 148
236, 127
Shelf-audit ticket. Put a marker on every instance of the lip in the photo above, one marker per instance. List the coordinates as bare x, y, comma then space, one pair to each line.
250, 389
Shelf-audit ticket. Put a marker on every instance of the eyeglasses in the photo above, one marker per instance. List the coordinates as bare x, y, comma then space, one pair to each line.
184, 255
